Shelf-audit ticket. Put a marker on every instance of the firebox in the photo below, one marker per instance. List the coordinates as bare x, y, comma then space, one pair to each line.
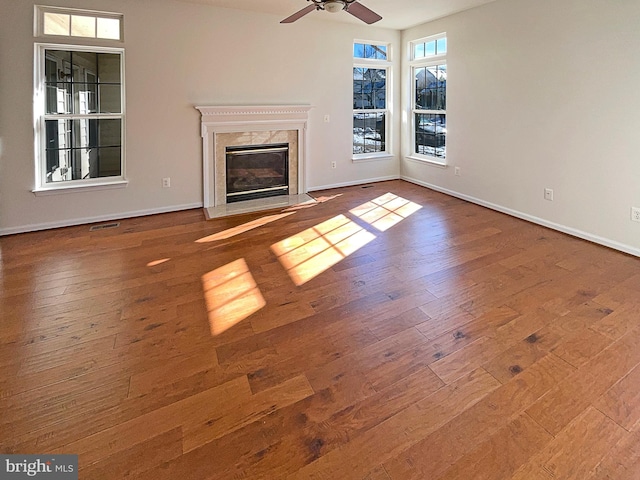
257, 171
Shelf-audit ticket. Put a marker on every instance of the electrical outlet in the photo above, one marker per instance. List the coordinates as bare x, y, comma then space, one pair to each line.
166, 182
456, 171
334, 165
548, 194
635, 214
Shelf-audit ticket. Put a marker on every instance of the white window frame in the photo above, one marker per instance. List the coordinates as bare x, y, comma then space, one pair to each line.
421, 62
381, 65
40, 116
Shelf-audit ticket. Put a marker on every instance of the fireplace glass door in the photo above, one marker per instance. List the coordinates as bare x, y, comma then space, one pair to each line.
257, 171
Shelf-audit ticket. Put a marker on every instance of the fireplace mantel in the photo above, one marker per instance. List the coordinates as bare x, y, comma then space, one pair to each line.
268, 113
218, 120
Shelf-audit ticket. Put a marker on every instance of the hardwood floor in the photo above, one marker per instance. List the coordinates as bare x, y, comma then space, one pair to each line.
388, 332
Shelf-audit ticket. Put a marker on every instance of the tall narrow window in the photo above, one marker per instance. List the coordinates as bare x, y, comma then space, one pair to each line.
370, 99
429, 98
79, 92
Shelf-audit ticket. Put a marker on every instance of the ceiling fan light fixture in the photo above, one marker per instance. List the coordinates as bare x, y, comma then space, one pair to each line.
334, 6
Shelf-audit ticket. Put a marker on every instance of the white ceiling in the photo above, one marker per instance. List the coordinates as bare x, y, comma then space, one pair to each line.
396, 14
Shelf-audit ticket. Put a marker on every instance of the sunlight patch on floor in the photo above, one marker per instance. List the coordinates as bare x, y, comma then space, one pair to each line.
157, 262
231, 295
315, 250
385, 211
313, 203
245, 227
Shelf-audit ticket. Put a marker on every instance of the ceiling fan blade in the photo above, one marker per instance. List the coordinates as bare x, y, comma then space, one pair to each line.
299, 14
363, 13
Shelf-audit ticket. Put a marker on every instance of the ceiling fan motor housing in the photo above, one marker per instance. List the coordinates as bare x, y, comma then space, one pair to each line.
334, 6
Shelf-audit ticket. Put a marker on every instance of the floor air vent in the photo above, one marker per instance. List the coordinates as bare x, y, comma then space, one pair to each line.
104, 226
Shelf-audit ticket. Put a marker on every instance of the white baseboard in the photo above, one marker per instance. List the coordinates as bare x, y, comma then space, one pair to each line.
530, 218
101, 218
355, 182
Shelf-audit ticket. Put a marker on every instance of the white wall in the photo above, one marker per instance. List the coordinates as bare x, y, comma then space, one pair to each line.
179, 55
544, 94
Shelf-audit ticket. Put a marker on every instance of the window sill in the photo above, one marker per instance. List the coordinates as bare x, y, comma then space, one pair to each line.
62, 189
430, 160
367, 157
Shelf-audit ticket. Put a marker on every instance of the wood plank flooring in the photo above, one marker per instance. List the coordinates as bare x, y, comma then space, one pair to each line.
388, 332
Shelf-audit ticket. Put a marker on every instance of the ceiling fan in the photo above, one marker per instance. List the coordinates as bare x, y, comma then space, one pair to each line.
334, 6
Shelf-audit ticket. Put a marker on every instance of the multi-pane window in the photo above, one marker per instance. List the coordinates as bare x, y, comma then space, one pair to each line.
429, 47
429, 92
370, 90
370, 51
83, 115
77, 23
79, 108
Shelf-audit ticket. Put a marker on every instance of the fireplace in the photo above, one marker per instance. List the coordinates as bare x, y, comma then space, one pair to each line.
257, 171
233, 129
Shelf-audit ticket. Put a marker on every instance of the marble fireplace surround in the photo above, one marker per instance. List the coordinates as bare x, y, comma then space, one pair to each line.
224, 126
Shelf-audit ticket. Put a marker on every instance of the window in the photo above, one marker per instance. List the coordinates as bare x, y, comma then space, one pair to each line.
79, 109
370, 92
429, 98
65, 22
